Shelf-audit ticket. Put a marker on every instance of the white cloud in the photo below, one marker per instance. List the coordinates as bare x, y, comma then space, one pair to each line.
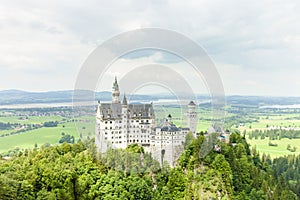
46, 42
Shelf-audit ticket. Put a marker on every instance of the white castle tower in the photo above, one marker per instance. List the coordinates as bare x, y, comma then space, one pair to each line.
192, 117
99, 138
125, 123
115, 92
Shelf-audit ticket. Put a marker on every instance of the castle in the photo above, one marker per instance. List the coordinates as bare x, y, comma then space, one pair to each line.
121, 124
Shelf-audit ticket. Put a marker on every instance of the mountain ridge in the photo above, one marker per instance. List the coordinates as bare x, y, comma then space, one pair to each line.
14, 96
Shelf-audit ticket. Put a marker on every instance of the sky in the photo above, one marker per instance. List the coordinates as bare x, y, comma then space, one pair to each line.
255, 45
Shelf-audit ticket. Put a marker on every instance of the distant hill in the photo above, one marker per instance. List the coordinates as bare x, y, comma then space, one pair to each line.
261, 100
9, 97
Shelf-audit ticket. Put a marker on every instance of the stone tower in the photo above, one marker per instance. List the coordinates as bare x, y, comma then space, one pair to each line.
125, 114
192, 117
124, 121
115, 92
99, 137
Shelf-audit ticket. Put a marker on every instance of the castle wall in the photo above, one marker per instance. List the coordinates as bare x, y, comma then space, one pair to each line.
119, 125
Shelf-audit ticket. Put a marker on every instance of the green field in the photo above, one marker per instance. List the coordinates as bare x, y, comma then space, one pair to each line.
30, 119
265, 121
82, 126
282, 120
262, 146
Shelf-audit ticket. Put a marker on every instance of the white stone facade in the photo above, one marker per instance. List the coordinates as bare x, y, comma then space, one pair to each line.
192, 117
121, 124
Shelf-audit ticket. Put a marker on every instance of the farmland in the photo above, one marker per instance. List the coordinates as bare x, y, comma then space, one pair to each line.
28, 130
31, 129
262, 146
27, 126
270, 119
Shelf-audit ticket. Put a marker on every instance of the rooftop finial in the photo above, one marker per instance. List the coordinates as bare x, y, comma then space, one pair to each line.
124, 100
192, 103
115, 85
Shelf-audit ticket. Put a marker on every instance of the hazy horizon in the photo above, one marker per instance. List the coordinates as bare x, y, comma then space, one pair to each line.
201, 94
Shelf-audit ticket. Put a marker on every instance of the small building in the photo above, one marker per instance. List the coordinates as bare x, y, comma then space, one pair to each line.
223, 136
168, 138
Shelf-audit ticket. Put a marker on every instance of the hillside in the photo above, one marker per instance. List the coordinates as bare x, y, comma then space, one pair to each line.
77, 172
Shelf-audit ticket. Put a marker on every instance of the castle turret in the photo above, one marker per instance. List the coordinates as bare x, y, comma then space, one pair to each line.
124, 106
115, 92
125, 120
98, 112
192, 117
99, 137
169, 118
124, 103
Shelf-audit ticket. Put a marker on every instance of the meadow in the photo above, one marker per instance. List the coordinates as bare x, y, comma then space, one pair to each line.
84, 126
280, 120
78, 127
30, 119
262, 146
283, 119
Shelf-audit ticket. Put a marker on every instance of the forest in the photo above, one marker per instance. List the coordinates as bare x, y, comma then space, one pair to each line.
77, 171
274, 134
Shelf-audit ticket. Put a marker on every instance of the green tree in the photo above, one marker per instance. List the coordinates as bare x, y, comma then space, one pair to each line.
188, 139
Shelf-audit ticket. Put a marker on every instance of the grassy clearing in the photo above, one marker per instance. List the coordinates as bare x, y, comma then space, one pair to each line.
3, 132
38, 136
285, 121
82, 126
30, 119
263, 146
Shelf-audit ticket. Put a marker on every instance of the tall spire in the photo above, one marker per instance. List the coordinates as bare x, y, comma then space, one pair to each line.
115, 85
124, 100
115, 92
